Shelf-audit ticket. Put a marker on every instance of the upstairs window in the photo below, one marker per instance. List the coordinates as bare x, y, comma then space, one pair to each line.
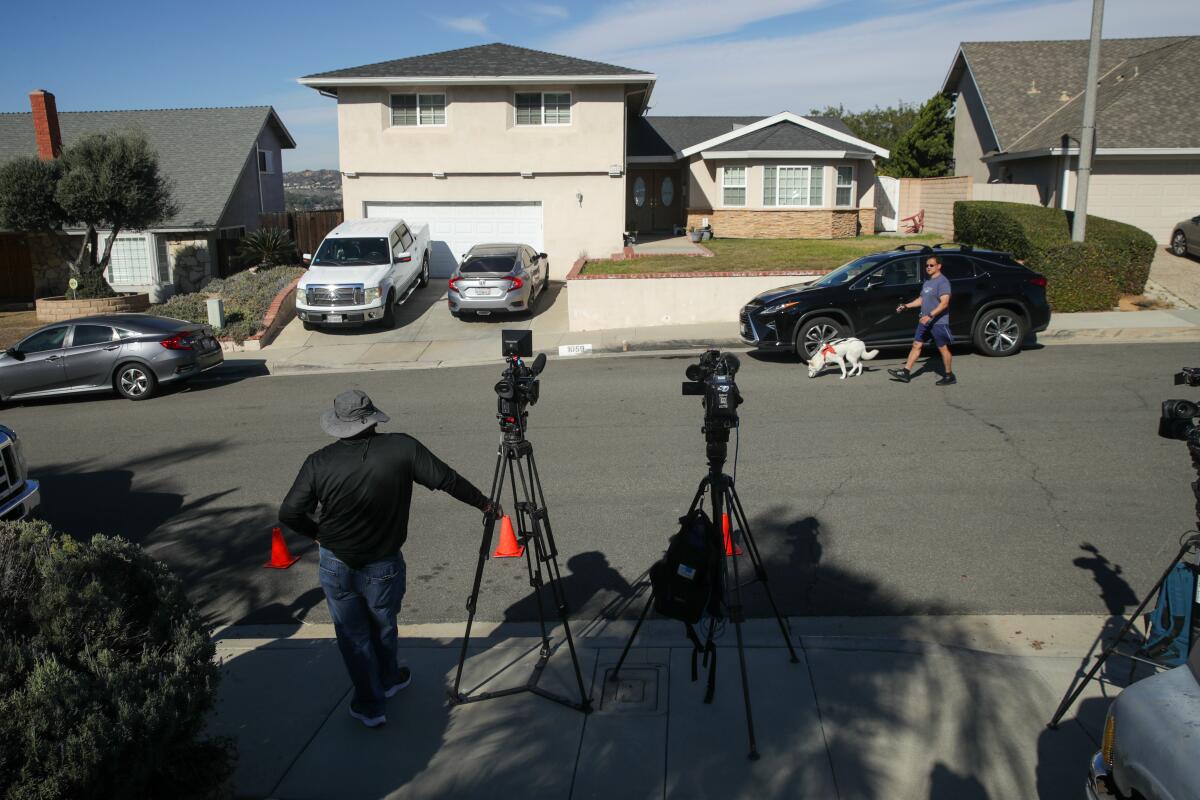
266, 162
543, 108
418, 109
733, 186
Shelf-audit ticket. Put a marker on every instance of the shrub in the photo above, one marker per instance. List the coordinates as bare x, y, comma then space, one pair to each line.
1078, 276
247, 297
1030, 232
106, 674
269, 246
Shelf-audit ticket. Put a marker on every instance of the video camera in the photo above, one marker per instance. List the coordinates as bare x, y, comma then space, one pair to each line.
713, 378
1179, 417
518, 388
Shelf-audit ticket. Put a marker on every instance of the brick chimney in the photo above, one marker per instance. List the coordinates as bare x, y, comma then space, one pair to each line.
45, 124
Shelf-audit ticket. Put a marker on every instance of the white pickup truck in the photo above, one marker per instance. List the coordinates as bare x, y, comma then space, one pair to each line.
362, 271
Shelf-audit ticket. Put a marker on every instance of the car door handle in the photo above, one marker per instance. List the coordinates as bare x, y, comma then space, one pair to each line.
53, 358
113, 347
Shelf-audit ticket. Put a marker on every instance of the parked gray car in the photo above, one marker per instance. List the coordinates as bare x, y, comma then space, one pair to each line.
498, 277
132, 354
1186, 237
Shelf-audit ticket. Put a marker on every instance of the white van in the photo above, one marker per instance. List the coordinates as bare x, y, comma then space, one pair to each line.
363, 269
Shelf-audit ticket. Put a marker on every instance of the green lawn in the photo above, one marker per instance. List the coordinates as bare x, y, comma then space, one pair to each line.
738, 255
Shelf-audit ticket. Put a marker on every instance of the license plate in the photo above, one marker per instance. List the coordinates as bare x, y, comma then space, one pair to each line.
484, 292
333, 317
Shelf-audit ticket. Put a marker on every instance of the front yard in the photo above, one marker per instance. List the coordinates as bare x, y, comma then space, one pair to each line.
762, 255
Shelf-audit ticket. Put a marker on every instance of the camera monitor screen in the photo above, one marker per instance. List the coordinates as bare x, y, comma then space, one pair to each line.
516, 343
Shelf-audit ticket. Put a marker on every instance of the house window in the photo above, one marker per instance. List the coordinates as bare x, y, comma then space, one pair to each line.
418, 109
543, 108
733, 186
845, 186
266, 162
164, 260
793, 186
129, 263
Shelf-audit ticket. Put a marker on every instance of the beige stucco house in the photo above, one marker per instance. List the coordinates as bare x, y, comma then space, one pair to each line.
1019, 114
502, 143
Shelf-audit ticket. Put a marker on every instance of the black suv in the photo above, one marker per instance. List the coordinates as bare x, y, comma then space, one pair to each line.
994, 302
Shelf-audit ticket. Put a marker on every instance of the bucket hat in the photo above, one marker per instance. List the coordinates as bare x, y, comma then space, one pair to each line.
352, 413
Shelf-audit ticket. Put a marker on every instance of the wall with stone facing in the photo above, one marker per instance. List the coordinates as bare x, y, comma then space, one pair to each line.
780, 224
50, 262
193, 261
57, 309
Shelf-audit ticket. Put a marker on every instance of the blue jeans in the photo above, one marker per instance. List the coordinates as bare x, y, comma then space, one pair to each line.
364, 604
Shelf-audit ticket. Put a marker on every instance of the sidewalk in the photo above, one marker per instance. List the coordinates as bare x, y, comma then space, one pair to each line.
903, 707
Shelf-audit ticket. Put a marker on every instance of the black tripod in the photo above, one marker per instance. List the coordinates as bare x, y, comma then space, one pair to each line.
725, 500
515, 460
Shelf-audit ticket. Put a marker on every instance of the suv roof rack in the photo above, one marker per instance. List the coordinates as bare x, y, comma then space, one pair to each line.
924, 248
966, 248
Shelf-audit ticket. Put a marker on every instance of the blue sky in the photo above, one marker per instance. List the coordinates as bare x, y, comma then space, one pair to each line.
711, 56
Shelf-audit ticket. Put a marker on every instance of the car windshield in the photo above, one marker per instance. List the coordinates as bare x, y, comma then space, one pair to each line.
848, 272
351, 253
500, 263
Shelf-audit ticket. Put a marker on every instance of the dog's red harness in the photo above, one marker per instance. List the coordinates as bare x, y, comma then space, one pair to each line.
828, 350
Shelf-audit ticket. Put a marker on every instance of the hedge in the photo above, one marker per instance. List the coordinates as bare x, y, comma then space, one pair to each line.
247, 297
106, 674
1039, 236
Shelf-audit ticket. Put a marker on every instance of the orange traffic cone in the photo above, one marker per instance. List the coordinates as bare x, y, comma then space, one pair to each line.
729, 549
280, 557
508, 547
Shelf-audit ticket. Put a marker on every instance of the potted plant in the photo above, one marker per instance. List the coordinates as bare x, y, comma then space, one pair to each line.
695, 235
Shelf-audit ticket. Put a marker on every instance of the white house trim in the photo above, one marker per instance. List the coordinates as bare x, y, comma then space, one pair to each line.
474, 80
783, 116
748, 154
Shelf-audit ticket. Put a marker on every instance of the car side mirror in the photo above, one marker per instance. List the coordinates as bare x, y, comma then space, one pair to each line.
306, 258
15, 353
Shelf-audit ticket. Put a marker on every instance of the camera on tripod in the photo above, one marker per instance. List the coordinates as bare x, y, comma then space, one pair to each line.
1179, 418
713, 378
518, 388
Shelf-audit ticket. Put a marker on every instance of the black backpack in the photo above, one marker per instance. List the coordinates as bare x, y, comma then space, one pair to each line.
689, 582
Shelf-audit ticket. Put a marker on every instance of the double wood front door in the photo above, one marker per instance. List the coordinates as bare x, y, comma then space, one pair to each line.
654, 200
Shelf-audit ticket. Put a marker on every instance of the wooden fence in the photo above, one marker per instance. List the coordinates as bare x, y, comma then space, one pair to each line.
307, 228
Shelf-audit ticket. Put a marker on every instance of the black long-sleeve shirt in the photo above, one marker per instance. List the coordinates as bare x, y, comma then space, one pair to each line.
364, 486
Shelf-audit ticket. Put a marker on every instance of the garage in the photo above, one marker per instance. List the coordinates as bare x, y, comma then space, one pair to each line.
454, 228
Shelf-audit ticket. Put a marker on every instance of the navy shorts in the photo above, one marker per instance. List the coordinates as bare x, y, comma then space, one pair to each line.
939, 331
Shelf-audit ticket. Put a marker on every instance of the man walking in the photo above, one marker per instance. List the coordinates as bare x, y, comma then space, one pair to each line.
363, 485
934, 323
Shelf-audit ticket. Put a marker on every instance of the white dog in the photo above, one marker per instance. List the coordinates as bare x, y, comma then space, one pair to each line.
841, 351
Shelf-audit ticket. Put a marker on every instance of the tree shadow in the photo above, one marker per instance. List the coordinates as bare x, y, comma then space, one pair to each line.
946, 784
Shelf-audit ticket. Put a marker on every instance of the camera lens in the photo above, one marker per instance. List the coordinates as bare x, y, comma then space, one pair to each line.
1186, 409
694, 372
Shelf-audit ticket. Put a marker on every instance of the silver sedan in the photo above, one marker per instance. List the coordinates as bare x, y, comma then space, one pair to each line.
1185, 238
132, 354
498, 277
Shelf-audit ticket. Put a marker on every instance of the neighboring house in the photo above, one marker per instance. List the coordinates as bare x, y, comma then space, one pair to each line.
1019, 114
502, 143
224, 166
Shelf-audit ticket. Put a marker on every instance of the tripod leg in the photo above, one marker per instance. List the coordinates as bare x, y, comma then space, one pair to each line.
1073, 695
739, 514
632, 636
489, 527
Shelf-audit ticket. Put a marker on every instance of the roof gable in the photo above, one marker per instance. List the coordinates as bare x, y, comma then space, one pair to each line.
839, 139
201, 151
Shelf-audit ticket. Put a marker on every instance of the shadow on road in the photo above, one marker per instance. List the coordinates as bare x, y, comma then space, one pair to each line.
589, 579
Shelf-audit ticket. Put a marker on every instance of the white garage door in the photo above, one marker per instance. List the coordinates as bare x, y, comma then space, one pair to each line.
454, 228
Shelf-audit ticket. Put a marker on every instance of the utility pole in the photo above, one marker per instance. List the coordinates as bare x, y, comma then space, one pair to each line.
1087, 141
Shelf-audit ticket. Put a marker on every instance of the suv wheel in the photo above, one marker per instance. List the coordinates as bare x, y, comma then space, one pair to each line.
1179, 244
815, 332
999, 332
135, 382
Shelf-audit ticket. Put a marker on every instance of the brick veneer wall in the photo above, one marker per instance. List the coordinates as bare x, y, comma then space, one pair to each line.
57, 309
784, 224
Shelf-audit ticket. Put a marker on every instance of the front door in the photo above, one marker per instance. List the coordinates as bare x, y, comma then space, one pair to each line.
655, 204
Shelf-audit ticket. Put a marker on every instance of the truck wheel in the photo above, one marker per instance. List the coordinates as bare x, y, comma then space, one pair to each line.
424, 281
389, 312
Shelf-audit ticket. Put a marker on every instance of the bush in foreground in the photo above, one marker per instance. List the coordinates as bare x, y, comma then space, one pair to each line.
106, 674
247, 297
1041, 237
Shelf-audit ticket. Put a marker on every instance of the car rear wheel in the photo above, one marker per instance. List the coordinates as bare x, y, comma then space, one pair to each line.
135, 382
815, 332
1179, 244
999, 332
424, 281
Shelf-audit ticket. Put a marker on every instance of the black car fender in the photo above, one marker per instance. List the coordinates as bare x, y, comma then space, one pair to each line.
836, 313
1011, 303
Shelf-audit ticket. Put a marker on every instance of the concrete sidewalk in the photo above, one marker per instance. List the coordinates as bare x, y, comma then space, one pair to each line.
897, 707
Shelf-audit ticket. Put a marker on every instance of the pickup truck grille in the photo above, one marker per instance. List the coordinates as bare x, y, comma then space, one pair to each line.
335, 296
10, 476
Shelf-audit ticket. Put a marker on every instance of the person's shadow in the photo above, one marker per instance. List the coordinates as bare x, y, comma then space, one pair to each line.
1114, 591
590, 577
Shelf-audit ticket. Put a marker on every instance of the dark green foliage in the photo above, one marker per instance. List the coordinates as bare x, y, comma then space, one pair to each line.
269, 246
106, 674
27, 200
247, 297
1116, 260
881, 126
926, 150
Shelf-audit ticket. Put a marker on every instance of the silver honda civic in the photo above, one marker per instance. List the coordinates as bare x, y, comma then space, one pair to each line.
498, 277
132, 354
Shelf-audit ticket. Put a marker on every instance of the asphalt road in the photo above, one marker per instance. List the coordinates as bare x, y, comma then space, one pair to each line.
1037, 485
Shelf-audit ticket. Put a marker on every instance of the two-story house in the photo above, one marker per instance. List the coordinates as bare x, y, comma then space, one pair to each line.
502, 143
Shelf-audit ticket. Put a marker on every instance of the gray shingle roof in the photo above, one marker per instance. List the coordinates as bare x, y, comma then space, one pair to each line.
665, 136
200, 150
1022, 82
485, 60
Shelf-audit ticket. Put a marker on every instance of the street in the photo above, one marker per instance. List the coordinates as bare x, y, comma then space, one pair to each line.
1036, 486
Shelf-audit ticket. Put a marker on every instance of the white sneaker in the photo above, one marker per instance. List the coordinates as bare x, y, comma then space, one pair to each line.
366, 719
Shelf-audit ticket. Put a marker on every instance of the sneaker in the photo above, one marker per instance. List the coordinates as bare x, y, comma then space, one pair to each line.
405, 678
901, 374
371, 721
947, 380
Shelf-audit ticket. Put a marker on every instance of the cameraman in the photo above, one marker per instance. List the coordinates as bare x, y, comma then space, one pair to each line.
363, 485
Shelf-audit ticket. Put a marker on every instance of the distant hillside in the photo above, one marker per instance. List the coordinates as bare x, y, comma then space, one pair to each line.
312, 188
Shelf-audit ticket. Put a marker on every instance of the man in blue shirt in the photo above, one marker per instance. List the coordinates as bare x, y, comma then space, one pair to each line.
934, 323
